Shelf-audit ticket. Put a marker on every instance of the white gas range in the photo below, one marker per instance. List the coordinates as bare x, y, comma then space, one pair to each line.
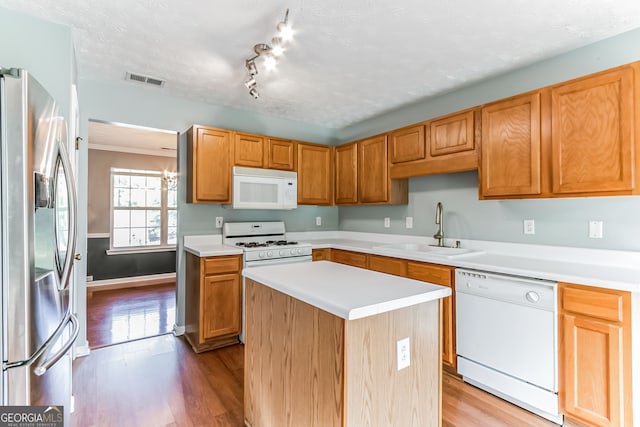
264, 243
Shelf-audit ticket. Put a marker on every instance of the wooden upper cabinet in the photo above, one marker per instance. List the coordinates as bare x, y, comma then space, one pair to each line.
451, 134
407, 144
248, 150
510, 156
373, 172
592, 133
315, 174
281, 154
347, 174
208, 165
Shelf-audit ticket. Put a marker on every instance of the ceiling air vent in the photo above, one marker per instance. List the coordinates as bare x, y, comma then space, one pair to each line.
144, 79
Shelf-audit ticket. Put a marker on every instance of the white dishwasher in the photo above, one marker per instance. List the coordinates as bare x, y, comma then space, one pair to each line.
507, 340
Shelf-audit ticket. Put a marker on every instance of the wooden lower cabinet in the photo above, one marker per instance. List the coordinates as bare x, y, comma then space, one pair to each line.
355, 259
321, 254
595, 355
213, 301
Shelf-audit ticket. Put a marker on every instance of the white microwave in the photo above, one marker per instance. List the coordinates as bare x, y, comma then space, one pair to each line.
255, 188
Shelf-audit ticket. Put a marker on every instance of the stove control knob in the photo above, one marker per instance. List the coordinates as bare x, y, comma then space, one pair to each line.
293, 251
269, 254
532, 296
282, 253
299, 250
261, 254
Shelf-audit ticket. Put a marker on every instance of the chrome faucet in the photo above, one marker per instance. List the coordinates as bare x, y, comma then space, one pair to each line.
439, 236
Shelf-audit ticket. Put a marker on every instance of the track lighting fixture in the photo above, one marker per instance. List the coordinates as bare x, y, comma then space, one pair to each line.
270, 54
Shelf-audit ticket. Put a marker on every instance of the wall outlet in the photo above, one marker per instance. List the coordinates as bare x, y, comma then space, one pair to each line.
595, 229
529, 226
318, 220
219, 221
409, 222
387, 222
403, 353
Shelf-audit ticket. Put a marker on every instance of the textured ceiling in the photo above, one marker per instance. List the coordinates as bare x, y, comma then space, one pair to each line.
350, 60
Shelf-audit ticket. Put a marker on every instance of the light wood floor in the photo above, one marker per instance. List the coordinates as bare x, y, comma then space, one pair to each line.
120, 315
160, 381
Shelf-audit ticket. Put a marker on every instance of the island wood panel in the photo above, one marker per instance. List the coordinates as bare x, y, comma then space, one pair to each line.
592, 133
511, 143
441, 275
347, 174
248, 150
281, 154
206, 147
294, 358
376, 393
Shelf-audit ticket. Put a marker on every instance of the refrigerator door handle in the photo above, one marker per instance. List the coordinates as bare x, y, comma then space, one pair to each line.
73, 210
42, 367
39, 352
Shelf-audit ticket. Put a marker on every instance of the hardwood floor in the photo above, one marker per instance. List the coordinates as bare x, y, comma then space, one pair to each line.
120, 315
161, 382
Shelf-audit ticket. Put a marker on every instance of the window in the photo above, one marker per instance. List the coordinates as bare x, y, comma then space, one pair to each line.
143, 209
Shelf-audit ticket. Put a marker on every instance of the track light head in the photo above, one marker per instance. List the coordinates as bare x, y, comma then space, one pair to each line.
250, 83
254, 92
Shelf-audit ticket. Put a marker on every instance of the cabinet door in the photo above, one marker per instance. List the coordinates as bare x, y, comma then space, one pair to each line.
407, 144
209, 174
383, 264
281, 154
510, 149
592, 371
373, 170
315, 174
451, 134
347, 174
248, 150
221, 306
592, 133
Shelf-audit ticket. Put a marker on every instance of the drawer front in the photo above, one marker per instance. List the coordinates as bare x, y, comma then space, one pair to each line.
222, 264
432, 273
355, 259
321, 254
388, 265
601, 303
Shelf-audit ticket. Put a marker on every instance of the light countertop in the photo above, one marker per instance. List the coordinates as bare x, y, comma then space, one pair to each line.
344, 291
209, 245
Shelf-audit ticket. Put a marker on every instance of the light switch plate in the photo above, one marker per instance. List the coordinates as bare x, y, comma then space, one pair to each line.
219, 221
409, 222
529, 226
387, 222
595, 229
403, 349
318, 220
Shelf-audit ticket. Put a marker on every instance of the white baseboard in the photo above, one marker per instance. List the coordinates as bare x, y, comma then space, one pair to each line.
151, 279
178, 330
81, 350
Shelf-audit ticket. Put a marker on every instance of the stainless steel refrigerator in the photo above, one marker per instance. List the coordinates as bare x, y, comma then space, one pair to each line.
38, 233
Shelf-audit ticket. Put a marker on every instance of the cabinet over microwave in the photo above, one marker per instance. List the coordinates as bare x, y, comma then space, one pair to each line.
255, 188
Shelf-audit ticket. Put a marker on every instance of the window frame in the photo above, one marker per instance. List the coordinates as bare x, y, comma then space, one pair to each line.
164, 209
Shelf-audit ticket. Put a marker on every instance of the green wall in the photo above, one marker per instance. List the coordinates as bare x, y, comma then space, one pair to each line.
558, 221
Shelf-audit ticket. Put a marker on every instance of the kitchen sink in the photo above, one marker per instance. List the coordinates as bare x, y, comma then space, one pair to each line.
423, 248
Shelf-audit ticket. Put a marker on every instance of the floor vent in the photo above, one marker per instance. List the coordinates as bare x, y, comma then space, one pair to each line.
144, 79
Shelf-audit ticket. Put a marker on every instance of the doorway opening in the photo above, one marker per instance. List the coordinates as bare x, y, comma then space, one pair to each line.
132, 232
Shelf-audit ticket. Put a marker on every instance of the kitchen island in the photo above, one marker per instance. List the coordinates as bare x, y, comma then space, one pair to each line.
324, 341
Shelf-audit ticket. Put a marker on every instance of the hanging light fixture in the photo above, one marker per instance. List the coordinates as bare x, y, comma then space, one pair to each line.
270, 54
